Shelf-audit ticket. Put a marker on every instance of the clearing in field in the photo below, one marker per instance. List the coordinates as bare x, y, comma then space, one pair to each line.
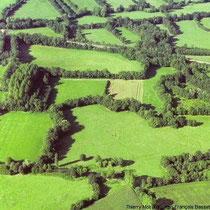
76, 88
156, 3
201, 59
116, 3
88, 4
206, 22
4, 4
22, 135
42, 30
149, 94
91, 20
120, 89
127, 135
131, 38
117, 200
188, 194
73, 59
37, 9
189, 9
33, 191
102, 36
192, 35
138, 14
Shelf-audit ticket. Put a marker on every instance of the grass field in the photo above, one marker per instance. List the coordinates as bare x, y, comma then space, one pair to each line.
149, 94
73, 59
126, 135
199, 58
117, 200
156, 3
130, 37
4, 4
195, 193
192, 35
91, 20
115, 4
41, 192
102, 36
206, 22
162, 27
126, 89
76, 88
42, 30
189, 9
82, 4
138, 14
22, 134
37, 9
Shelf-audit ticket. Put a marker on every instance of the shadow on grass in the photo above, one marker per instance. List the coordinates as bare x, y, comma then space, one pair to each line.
164, 203
66, 142
25, 54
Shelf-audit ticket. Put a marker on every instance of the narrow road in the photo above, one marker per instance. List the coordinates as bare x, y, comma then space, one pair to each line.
199, 61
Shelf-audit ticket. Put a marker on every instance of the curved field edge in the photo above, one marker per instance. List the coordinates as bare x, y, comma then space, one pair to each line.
41, 192
195, 193
73, 59
22, 135
126, 135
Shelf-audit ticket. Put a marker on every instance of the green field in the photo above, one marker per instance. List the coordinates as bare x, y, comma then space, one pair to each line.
138, 14
41, 192
206, 22
156, 3
162, 27
189, 9
149, 94
88, 4
37, 9
102, 36
73, 59
195, 193
192, 35
131, 38
22, 135
199, 58
76, 88
117, 200
126, 135
115, 4
4, 4
42, 30
126, 89
91, 20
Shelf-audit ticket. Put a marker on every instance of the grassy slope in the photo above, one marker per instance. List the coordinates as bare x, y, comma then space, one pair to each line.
82, 4
149, 94
126, 89
195, 193
192, 35
37, 9
199, 58
41, 192
117, 200
130, 37
102, 36
42, 30
91, 19
74, 88
5, 3
22, 134
127, 135
156, 3
72, 59
115, 4
203, 7
206, 22
162, 27
137, 14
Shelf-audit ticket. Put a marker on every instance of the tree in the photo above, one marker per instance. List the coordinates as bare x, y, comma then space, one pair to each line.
56, 160
82, 157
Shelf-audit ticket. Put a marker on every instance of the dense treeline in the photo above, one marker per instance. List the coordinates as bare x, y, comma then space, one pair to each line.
192, 51
28, 89
172, 26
